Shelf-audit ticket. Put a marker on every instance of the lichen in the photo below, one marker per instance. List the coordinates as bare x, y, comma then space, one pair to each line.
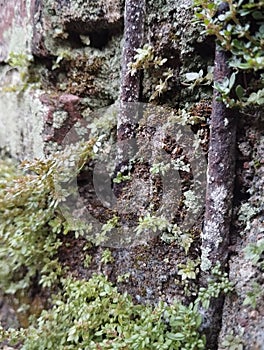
206, 264
59, 117
17, 37
211, 234
23, 132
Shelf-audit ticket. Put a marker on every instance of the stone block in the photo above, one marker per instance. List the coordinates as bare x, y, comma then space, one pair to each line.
62, 112
21, 124
58, 23
35, 123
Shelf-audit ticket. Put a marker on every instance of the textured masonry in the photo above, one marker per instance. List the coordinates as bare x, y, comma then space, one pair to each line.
39, 33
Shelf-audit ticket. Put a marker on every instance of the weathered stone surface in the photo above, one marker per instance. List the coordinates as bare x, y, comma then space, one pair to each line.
76, 67
92, 15
15, 26
62, 114
32, 120
81, 38
21, 123
7, 314
242, 322
63, 22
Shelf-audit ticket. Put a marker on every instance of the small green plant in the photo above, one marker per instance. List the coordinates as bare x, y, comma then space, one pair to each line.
189, 270
254, 295
185, 117
87, 261
151, 223
246, 213
239, 30
107, 256
123, 278
232, 342
144, 59
175, 234
160, 168
180, 164
62, 55
190, 201
254, 253
120, 177
193, 79
168, 232
21, 62
163, 85
225, 88
147, 59
233, 32
217, 284
176, 164
106, 228
93, 315
125, 173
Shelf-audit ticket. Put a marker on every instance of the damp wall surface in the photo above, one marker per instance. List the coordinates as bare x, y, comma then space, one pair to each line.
58, 61
62, 59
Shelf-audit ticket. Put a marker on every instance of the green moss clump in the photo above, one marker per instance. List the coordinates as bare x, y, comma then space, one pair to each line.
31, 220
93, 315
85, 314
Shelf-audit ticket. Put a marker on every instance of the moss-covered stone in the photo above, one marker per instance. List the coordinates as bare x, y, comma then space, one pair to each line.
59, 23
243, 311
174, 36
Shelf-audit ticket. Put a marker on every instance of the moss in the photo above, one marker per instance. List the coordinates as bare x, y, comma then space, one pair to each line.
32, 256
87, 72
92, 314
32, 221
93, 74
89, 313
